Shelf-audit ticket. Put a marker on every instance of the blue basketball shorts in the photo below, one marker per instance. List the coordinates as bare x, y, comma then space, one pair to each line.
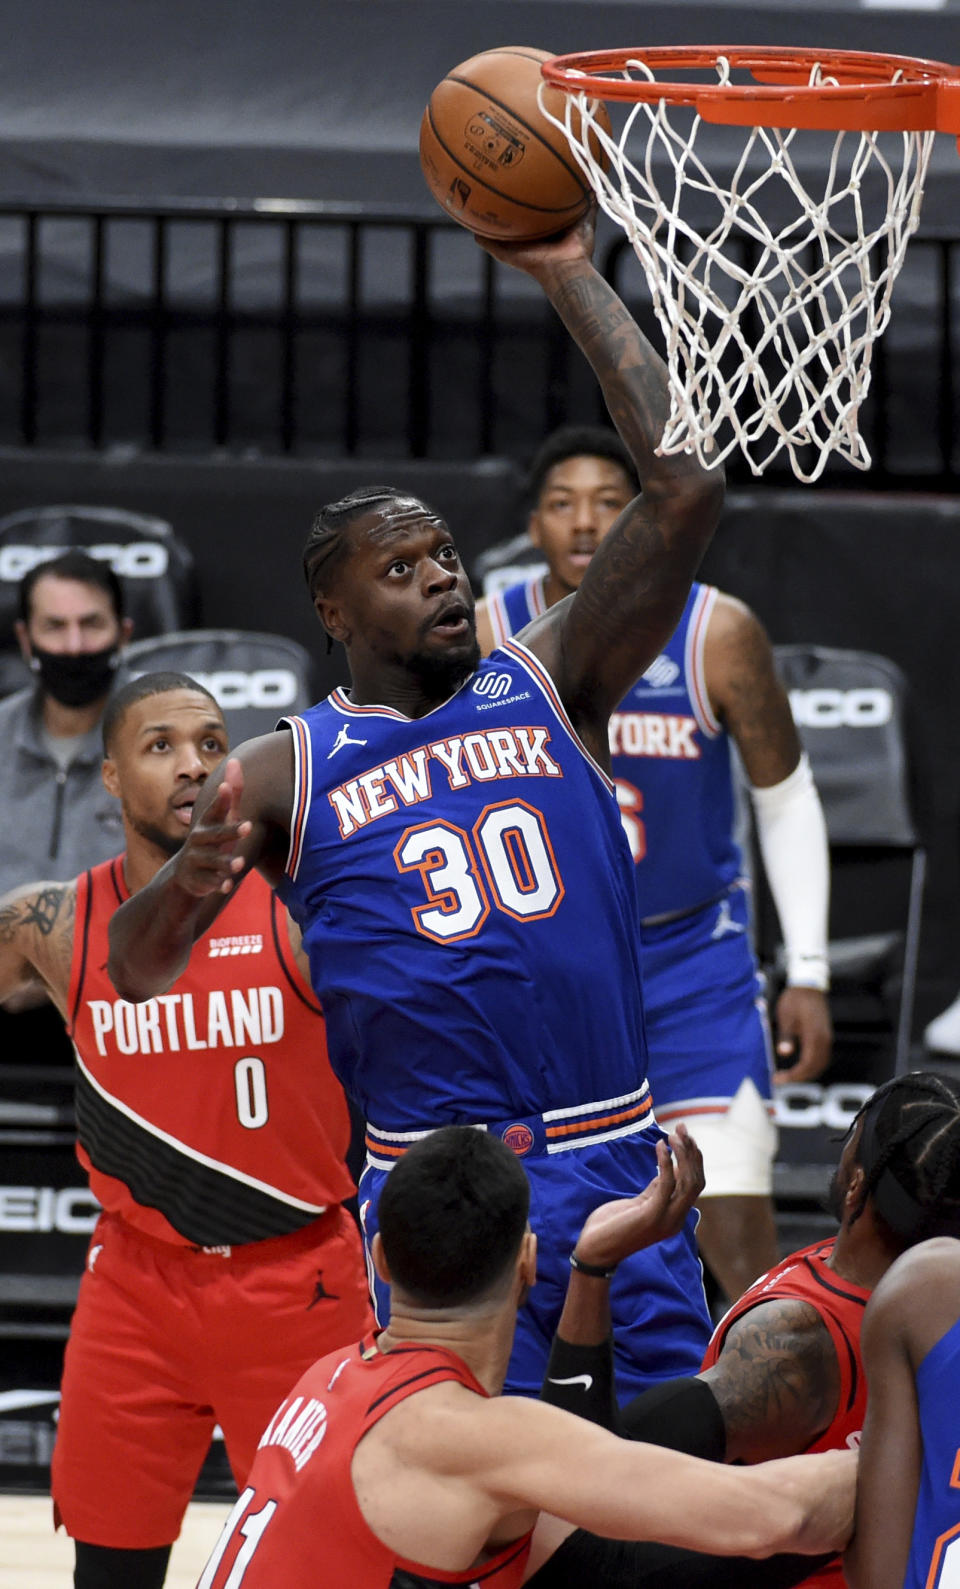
660, 1319
705, 1014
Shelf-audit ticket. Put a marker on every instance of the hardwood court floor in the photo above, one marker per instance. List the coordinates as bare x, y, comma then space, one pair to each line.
32, 1556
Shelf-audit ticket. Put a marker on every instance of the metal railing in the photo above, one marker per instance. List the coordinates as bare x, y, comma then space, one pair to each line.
299, 328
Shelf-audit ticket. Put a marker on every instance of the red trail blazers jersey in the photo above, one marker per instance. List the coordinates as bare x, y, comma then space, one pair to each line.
208, 1116
298, 1524
807, 1277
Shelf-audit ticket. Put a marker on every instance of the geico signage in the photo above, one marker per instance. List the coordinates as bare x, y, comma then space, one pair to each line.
72, 1210
866, 708
139, 560
267, 687
804, 1105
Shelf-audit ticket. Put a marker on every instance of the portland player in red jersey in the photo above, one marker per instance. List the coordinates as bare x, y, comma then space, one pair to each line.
783, 1372
214, 1135
397, 1463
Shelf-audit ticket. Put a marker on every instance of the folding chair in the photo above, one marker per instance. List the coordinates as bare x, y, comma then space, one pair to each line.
850, 708
156, 569
256, 678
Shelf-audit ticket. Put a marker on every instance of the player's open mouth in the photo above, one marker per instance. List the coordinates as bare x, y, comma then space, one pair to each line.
183, 808
454, 620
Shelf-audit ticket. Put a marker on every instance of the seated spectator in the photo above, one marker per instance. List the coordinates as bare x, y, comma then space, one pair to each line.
57, 817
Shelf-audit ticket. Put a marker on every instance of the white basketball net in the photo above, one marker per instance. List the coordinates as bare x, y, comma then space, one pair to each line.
794, 325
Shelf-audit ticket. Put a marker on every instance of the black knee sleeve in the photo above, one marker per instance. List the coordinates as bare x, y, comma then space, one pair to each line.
102, 1567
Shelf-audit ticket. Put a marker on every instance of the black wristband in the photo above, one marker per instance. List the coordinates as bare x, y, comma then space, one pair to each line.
592, 1269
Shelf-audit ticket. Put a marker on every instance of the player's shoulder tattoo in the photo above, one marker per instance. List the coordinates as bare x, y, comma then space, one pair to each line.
777, 1379
46, 909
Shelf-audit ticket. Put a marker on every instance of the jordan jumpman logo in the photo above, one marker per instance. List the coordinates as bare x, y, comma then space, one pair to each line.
321, 1294
343, 738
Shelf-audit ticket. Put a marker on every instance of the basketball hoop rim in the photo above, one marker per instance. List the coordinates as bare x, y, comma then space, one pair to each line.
925, 99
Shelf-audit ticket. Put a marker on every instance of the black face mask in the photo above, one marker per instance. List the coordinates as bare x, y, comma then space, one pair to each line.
76, 680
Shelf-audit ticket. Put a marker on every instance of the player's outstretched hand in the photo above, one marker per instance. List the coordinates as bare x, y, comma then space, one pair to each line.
209, 862
804, 1030
574, 243
615, 1230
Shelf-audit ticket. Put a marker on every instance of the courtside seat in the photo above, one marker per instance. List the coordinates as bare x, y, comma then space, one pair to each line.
256, 678
155, 567
851, 712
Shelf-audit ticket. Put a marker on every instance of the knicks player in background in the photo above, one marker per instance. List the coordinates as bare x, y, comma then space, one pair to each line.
446, 834
712, 690
214, 1135
908, 1487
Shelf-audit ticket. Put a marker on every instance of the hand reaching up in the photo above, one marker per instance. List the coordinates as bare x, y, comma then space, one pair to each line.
615, 1230
210, 861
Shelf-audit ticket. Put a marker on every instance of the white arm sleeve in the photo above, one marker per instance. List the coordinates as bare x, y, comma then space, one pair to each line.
793, 843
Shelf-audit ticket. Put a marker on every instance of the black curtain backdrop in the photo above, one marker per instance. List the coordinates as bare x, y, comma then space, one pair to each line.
322, 100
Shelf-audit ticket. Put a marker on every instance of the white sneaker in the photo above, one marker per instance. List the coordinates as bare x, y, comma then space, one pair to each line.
943, 1033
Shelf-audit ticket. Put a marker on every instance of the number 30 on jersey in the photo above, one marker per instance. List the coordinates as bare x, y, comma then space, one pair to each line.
506, 862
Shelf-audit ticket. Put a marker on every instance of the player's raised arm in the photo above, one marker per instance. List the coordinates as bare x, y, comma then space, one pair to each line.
241, 819
597, 644
36, 940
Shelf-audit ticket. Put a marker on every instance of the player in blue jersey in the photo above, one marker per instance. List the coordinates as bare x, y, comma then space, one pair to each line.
712, 690
446, 833
908, 1492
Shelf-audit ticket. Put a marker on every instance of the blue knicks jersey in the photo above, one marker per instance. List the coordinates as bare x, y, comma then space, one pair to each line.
935, 1547
670, 757
465, 894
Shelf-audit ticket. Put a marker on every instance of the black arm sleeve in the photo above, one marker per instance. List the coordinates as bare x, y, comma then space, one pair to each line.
680, 1413
585, 1559
579, 1379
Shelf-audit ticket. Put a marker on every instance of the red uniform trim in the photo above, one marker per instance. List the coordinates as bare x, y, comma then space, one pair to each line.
807, 1277
302, 1472
227, 1075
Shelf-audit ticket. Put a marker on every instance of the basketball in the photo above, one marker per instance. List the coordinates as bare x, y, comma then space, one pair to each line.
490, 157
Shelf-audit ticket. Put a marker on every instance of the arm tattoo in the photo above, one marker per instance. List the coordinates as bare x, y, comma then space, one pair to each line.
633, 377
39, 927
777, 1380
43, 909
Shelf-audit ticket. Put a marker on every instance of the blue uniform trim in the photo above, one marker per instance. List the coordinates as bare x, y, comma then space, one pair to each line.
555, 1131
935, 1526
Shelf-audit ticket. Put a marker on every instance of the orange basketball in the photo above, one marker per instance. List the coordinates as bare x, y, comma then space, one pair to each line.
491, 158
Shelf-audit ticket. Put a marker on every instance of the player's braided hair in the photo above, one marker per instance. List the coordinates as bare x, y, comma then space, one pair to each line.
909, 1150
328, 543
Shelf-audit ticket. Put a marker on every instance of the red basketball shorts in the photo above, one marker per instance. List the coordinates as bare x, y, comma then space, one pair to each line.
166, 1342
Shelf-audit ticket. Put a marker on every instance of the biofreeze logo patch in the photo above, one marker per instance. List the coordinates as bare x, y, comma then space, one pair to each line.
482, 757
250, 943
